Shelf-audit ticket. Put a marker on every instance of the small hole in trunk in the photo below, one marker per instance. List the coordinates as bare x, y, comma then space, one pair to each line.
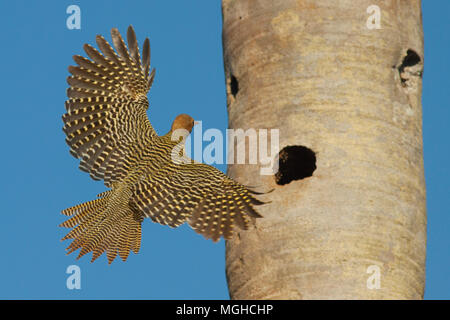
411, 59
295, 163
234, 86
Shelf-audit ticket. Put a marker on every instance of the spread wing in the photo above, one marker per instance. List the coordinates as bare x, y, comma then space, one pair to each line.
106, 110
207, 199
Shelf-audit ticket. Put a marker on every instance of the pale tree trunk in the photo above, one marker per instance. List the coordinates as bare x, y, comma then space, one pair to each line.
351, 93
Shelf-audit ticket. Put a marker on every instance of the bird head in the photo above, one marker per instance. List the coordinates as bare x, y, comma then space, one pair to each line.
183, 121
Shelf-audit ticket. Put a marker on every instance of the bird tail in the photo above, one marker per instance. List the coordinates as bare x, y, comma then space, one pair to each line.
99, 226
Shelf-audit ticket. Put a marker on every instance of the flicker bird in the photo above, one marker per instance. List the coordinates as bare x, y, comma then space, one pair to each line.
107, 128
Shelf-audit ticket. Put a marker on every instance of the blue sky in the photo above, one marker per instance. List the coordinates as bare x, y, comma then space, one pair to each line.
40, 177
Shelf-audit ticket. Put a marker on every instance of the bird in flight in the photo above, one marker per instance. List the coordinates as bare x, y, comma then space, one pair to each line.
107, 128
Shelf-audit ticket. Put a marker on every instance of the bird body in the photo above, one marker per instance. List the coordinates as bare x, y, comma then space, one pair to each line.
107, 128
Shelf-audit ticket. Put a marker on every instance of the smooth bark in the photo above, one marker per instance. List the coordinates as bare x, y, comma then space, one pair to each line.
318, 73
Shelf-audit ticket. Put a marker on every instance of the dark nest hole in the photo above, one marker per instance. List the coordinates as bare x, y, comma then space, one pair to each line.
411, 59
234, 86
295, 163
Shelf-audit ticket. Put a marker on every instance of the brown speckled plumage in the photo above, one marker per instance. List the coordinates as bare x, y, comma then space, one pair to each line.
107, 128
